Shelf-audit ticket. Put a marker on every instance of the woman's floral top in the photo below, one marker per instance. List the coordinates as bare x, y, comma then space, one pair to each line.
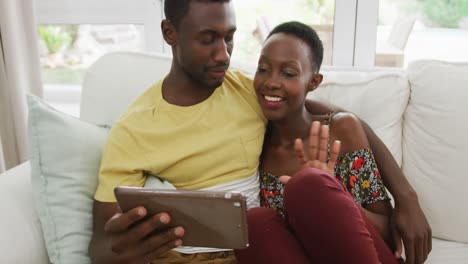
356, 170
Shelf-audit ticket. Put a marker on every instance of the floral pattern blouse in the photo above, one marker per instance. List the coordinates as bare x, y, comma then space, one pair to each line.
356, 170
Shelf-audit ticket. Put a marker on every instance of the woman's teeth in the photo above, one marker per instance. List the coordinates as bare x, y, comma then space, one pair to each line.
272, 98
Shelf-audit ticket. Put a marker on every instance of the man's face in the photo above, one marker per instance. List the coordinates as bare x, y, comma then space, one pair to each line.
205, 42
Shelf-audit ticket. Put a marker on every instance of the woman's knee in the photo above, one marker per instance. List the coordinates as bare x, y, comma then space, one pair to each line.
267, 230
312, 181
314, 189
260, 217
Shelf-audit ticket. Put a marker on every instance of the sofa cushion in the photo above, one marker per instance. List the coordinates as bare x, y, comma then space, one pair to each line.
378, 97
447, 252
20, 227
435, 141
65, 158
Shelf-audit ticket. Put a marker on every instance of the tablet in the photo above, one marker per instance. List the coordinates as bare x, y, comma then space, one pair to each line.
210, 218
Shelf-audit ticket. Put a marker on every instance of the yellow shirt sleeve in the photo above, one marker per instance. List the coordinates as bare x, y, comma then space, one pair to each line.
120, 164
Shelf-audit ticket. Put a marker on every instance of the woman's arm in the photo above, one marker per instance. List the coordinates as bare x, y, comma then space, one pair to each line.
354, 146
393, 177
397, 184
408, 221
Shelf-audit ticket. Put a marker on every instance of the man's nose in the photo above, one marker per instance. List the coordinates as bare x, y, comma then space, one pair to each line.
222, 53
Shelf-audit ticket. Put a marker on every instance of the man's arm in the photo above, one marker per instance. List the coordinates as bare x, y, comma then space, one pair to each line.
408, 219
126, 238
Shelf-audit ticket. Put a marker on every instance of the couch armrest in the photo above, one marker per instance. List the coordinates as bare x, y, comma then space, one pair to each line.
21, 239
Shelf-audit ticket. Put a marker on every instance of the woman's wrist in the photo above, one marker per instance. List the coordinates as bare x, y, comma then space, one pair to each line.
405, 197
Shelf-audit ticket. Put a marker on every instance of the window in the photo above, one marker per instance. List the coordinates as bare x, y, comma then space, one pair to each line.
362, 33
421, 29
255, 19
74, 34
66, 52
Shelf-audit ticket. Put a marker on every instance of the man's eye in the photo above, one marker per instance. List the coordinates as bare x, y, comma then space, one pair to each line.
207, 40
229, 39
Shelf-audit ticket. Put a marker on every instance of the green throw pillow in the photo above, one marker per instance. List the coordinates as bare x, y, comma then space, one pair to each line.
65, 158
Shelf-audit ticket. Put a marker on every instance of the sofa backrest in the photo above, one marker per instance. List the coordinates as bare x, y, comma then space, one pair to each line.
378, 96
435, 142
115, 80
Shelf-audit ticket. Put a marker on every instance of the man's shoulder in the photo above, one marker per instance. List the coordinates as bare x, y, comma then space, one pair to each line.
239, 73
137, 115
145, 101
239, 81
149, 96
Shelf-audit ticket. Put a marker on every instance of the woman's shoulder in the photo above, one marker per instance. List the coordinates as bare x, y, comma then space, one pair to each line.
347, 128
344, 121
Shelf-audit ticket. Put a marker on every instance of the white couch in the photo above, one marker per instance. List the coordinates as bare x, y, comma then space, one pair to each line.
419, 114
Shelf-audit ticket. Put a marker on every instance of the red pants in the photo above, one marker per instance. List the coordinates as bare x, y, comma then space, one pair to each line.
323, 224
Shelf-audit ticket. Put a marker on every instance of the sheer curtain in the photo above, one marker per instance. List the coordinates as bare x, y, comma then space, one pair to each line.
2, 162
19, 75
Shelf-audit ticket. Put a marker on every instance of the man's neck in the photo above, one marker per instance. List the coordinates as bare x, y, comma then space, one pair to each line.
179, 89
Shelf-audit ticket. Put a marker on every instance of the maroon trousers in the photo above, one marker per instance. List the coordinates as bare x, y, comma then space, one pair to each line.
323, 224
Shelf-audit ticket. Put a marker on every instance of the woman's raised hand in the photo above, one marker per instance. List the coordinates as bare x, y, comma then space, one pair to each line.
317, 153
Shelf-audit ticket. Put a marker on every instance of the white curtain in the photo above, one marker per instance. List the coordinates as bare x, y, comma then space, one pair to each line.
2, 162
19, 75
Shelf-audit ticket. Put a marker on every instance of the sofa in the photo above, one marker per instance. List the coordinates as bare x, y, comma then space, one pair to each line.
418, 112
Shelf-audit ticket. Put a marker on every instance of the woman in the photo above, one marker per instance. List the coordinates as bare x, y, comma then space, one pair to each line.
316, 217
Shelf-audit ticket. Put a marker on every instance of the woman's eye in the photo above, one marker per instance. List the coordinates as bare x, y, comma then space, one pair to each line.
289, 74
261, 69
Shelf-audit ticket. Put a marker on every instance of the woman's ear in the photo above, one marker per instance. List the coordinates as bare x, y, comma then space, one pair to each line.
169, 33
315, 81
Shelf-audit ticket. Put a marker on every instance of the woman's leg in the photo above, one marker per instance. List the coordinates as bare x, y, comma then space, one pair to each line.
270, 240
330, 226
323, 225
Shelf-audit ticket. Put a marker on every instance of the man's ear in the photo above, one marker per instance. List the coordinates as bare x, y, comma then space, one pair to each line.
169, 33
315, 81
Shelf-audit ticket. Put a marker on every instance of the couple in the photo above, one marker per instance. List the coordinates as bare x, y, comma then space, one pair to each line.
202, 126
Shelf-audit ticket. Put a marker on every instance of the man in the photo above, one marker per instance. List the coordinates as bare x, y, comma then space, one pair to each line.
204, 120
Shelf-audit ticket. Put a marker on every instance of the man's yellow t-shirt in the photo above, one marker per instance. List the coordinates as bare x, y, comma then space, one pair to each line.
216, 141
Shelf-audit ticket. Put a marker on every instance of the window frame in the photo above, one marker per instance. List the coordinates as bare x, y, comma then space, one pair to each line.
367, 16
104, 12
354, 34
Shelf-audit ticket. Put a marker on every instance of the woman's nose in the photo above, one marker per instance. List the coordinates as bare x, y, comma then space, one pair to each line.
273, 81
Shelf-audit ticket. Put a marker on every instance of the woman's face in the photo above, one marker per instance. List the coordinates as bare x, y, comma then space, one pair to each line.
284, 76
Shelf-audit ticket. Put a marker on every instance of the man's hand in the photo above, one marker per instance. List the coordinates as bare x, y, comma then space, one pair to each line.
409, 224
317, 152
132, 237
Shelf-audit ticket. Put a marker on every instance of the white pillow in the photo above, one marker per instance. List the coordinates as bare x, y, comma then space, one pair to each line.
20, 228
435, 143
65, 159
377, 97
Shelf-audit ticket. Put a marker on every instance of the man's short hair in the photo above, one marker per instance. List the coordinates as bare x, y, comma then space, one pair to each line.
175, 10
306, 34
